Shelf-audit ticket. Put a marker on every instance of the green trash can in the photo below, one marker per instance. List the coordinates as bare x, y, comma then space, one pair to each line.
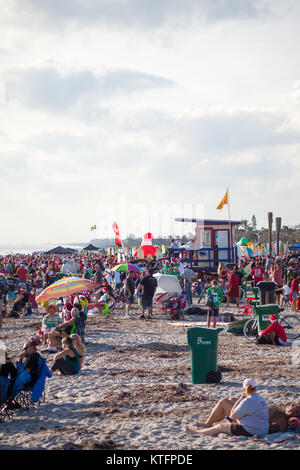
203, 344
263, 313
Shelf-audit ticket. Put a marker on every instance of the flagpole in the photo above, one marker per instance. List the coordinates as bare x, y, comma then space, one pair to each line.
229, 219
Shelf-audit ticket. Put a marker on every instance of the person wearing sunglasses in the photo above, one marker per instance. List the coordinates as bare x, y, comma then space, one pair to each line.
30, 358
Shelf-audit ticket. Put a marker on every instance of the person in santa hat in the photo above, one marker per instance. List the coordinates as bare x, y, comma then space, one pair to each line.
274, 333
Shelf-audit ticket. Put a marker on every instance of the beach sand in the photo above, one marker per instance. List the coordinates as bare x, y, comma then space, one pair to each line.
135, 392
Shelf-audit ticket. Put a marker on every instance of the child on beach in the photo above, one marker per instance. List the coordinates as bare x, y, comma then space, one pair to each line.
285, 294
50, 320
213, 310
28, 309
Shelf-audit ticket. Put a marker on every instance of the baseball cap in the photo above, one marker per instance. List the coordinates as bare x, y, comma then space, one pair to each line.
249, 382
273, 317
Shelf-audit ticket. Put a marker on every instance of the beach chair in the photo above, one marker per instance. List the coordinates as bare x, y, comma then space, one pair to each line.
172, 305
22, 395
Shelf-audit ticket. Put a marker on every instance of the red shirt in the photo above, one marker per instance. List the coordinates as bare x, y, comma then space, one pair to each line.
22, 274
258, 273
279, 330
234, 280
295, 285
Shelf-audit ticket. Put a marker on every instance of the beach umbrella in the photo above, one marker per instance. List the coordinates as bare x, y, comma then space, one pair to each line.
127, 267
65, 287
167, 283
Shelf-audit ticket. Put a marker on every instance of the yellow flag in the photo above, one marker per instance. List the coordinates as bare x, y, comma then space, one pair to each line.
224, 201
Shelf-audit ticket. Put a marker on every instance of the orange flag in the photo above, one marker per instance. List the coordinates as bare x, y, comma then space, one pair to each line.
224, 201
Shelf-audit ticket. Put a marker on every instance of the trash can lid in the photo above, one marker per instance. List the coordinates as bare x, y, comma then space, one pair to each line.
199, 330
266, 285
267, 308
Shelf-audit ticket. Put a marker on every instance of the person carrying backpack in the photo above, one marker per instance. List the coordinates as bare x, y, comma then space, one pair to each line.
213, 296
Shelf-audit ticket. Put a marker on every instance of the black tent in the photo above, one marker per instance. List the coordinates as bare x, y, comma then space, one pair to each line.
91, 247
59, 250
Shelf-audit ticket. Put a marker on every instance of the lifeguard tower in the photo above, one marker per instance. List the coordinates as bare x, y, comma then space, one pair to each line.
214, 244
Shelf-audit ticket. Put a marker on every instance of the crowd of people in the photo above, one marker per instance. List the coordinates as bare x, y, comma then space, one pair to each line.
23, 278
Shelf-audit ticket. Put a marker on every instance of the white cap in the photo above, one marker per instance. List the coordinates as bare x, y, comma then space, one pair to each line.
249, 382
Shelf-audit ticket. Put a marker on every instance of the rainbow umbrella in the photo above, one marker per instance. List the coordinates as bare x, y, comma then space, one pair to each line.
65, 287
127, 267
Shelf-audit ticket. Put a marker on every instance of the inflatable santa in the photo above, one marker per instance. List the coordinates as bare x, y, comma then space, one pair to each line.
147, 250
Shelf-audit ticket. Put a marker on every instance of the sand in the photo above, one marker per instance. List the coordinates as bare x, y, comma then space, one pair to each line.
135, 391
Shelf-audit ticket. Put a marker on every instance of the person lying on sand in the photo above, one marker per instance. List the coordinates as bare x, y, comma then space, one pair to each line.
247, 416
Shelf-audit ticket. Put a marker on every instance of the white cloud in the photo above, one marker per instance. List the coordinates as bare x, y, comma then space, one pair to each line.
162, 102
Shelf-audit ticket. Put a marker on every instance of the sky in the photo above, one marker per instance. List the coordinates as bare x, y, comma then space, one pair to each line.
141, 111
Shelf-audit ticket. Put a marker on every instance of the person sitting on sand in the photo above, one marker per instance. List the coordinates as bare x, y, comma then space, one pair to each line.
67, 362
80, 348
20, 301
62, 331
50, 320
273, 334
248, 416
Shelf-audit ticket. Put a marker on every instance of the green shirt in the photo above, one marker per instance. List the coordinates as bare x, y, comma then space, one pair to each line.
217, 295
51, 321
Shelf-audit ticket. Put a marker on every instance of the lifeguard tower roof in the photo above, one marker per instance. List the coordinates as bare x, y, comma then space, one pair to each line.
209, 221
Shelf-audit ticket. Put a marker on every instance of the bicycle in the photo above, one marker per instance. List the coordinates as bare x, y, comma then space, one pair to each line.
290, 322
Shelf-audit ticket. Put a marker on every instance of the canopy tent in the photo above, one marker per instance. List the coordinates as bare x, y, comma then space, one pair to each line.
59, 250
90, 247
295, 247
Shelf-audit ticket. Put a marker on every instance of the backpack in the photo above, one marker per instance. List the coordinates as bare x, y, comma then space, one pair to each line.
209, 300
213, 377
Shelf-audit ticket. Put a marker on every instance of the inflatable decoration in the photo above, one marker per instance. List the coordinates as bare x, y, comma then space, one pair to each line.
147, 250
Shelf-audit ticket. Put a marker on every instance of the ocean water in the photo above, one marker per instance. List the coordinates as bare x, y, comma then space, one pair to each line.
29, 249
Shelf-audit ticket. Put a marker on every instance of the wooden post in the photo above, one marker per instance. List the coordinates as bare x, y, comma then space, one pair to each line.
270, 222
278, 228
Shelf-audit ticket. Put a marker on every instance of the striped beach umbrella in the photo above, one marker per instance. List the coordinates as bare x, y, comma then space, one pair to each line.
65, 287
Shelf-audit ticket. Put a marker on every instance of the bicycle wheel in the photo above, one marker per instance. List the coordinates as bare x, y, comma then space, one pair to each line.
242, 294
291, 324
250, 329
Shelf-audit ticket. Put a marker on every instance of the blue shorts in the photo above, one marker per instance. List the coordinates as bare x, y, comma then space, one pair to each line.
294, 295
11, 294
129, 299
146, 302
